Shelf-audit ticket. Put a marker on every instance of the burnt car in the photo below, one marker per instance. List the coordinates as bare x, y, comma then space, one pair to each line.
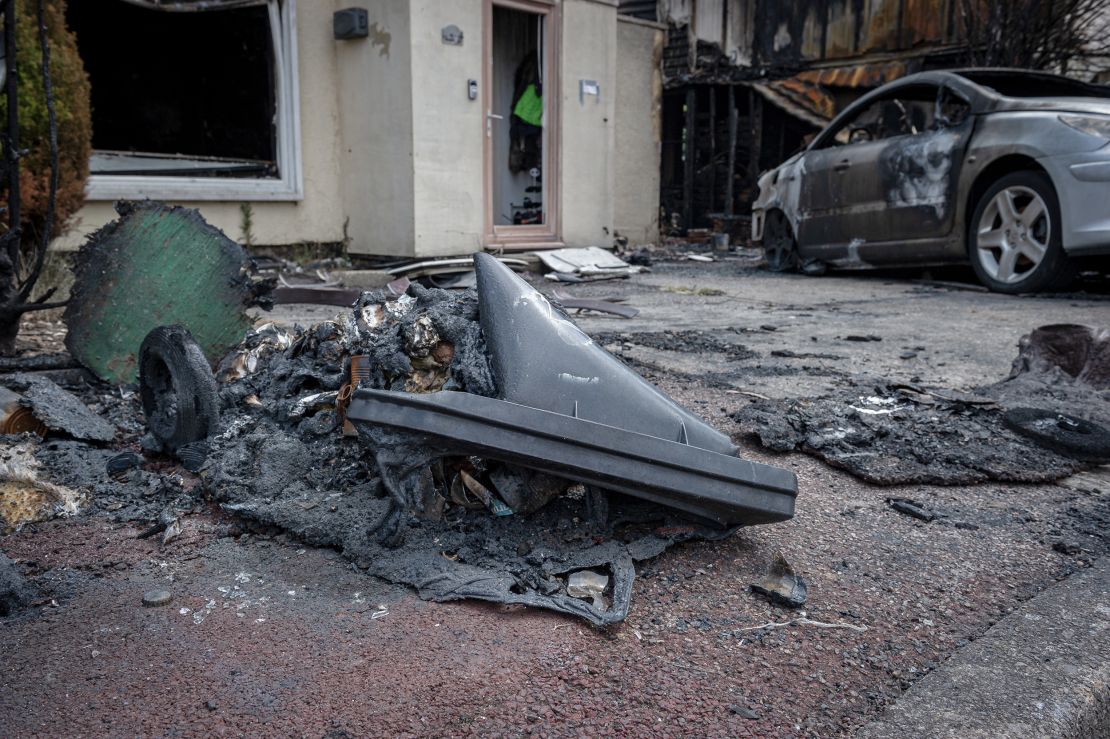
1007, 169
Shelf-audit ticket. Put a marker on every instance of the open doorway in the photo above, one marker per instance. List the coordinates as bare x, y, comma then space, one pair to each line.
518, 140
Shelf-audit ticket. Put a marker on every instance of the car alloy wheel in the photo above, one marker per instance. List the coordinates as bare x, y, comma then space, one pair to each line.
1013, 235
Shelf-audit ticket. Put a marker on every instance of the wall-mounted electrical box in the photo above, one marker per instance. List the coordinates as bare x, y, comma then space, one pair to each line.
452, 35
350, 23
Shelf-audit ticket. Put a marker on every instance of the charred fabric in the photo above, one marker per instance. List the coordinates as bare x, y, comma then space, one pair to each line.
471, 444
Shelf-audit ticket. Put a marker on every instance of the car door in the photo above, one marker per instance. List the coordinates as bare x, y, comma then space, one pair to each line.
887, 177
920, 168
842, 194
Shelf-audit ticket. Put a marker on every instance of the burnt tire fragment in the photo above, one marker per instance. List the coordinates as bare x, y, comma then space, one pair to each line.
177, 388
1067, 435
779, 247
121, 464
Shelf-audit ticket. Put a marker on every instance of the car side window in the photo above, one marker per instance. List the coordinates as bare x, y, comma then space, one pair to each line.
908, 112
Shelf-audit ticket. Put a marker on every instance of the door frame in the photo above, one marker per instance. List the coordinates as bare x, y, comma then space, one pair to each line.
510, 237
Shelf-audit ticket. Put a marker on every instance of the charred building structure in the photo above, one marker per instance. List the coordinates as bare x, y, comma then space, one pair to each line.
747, 82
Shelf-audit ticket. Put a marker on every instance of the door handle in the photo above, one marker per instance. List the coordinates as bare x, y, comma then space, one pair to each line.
842, 165
490, 115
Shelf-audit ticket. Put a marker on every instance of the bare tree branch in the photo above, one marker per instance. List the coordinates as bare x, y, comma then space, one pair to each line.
1067, 36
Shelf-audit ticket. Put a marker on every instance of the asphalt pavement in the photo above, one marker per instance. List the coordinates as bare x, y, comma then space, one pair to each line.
264, 636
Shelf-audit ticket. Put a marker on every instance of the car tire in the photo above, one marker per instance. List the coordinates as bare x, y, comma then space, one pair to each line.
1072, 437
177, 388
779, 248
1014, 237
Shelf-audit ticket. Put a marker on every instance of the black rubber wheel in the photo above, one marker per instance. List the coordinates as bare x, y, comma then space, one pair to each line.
177, 388
1014, 237
1067, 435
779, 247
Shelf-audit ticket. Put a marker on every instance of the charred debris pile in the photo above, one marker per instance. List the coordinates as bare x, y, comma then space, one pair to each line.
386, 433
470, 443
1048, 419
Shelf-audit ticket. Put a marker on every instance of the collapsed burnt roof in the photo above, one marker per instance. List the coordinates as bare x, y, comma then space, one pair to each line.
746, 83
740, 40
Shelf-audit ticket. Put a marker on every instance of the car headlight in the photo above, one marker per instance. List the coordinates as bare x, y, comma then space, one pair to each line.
1092, 125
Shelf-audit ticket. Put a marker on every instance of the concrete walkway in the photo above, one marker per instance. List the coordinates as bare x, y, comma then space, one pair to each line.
1043, 671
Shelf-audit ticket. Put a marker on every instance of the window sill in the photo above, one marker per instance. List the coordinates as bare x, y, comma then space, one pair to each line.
203, 189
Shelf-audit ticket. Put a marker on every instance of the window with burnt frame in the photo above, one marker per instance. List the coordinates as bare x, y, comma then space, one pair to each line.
178, 93
202, 93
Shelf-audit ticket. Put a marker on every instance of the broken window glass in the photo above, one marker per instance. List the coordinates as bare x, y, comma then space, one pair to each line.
952, 110
909, 112
180, 94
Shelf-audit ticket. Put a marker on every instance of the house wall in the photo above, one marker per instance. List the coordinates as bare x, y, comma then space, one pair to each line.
318, 217
374, 91
587, 127
448, 129
638, 122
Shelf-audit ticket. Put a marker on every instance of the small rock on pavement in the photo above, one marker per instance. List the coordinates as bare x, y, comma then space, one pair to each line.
15, 591
782, 585
911, 508
173, 530
155, 598
1067, 547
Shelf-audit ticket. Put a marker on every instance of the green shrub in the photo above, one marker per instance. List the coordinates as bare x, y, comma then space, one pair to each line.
72, 111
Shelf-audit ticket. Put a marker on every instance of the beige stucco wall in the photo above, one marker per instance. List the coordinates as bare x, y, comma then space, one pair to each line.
448, 129
318, 217
638, 122
587, 128
376, 124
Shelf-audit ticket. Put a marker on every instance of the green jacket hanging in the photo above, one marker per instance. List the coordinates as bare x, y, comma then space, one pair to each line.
529, 108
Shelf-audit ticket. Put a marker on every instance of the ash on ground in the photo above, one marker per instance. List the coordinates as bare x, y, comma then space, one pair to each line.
891, 434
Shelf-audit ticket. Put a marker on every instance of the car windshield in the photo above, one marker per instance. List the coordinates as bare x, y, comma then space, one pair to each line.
1018, 85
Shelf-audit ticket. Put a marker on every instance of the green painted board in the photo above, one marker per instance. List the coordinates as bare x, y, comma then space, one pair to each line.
156, 265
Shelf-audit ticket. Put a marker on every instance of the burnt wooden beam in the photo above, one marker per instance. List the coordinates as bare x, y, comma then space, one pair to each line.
712, 206
733, 124
755, 117
689, 147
